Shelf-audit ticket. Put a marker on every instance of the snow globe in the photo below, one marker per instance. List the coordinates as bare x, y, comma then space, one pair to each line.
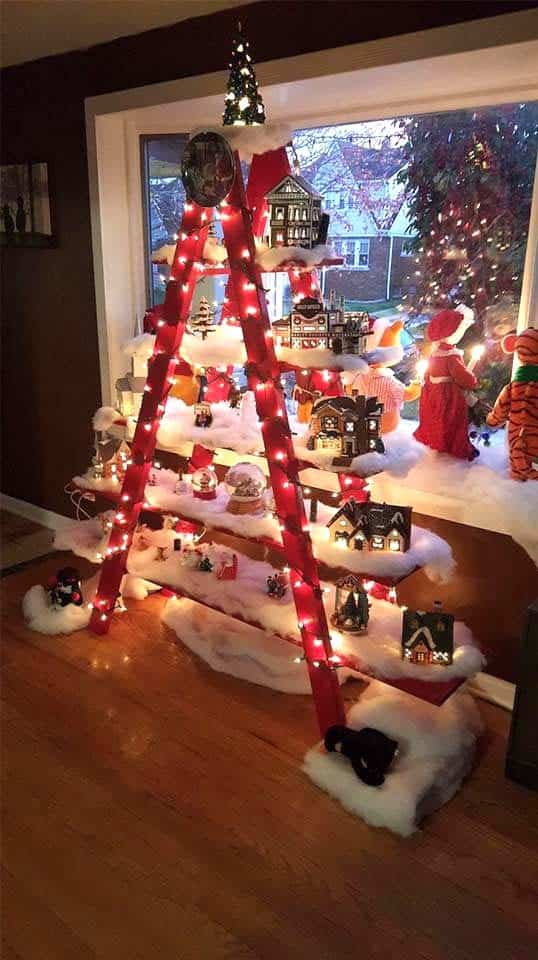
245, 482
204, 483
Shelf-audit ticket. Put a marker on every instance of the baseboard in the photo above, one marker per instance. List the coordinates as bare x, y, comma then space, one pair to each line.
47, 518
494, 690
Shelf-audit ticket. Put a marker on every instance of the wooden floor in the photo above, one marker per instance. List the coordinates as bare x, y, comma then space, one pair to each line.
156, 809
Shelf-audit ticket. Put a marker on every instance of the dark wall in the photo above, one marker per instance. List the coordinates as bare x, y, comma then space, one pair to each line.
50, 365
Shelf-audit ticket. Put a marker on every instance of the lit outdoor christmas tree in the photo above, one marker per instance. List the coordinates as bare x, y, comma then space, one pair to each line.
465, 170
243, 102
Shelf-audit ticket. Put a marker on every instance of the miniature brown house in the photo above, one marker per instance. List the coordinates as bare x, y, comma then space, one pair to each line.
427, 637
294, 213
312, 326
371, 526
347, 425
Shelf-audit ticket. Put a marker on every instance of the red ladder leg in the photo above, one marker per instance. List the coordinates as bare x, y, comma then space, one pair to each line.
263, 374
161, 368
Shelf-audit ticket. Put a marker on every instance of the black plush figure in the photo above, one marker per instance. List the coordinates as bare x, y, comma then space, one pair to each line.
65, 588
370, 751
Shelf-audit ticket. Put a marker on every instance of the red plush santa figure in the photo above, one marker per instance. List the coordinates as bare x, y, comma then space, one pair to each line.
443, 421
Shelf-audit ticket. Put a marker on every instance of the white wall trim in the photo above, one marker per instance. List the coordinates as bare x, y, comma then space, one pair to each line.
47, 518
494, 690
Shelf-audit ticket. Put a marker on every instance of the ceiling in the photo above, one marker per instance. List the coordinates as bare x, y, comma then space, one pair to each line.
30, 29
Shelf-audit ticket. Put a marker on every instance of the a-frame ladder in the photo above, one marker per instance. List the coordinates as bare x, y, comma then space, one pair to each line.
263, 377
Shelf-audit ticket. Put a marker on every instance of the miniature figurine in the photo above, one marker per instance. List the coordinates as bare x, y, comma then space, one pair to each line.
205, 565
351, 606
228, 568
443, 416
65, 588
202, 414
379, 380
370, 751
517, 403
277, 585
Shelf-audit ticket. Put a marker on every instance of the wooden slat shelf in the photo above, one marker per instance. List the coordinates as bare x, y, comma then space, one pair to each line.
335, 571
435, 693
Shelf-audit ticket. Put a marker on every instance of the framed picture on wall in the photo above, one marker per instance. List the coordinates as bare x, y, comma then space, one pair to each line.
25, 215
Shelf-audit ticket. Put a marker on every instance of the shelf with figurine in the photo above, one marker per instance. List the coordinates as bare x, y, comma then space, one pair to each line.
374, 539
369, 634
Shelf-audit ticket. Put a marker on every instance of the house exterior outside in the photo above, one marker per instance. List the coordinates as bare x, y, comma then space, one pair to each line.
370, 225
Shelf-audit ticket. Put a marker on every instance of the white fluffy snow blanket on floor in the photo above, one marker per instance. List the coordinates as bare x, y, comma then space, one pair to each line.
43, 618
238, 649
436, 752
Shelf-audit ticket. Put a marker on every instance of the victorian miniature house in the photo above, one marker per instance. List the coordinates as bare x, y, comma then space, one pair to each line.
311, 325
371, 526
347, 425
294, 213
427, 637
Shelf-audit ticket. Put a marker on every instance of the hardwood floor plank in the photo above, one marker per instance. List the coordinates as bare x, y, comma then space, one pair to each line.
155, 808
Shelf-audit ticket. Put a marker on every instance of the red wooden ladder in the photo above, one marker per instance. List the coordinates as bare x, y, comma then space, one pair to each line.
263, 377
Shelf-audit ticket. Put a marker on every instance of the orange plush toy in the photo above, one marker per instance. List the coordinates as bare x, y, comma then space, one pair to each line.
517, 403
379, 380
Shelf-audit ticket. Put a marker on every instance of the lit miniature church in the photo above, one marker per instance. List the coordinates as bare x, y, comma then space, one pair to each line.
311, 325
428, 637
371, 526
294, 214
349, 426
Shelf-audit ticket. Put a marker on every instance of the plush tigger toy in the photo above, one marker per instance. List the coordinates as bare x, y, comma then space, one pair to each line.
517, 403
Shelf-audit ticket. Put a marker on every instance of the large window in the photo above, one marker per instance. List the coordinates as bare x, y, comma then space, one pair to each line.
163, 202
426, 211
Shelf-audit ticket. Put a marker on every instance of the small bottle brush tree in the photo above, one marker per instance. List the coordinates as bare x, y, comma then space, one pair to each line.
468, 179
202, 320
243, 102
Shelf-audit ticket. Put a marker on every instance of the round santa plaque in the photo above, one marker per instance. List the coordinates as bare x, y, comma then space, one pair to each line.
208, 169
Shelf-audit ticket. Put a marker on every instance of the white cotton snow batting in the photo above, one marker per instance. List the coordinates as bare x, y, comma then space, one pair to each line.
104, 417
43, 618
436, 752
238, 649
268, 258
250, 140
402, 453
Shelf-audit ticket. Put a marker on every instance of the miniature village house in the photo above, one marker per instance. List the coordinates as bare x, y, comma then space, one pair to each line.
311, 325
371, 526
129, 393
111, 458
294, 213
347, 425
428, 637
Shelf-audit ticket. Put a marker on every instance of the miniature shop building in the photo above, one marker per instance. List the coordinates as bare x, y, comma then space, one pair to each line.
371, 526
294, 213
129, 393
427, 637
111, 458
349, 426
312, 326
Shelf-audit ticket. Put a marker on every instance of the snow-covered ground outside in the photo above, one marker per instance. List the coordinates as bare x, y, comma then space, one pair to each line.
435, 754
427, 549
